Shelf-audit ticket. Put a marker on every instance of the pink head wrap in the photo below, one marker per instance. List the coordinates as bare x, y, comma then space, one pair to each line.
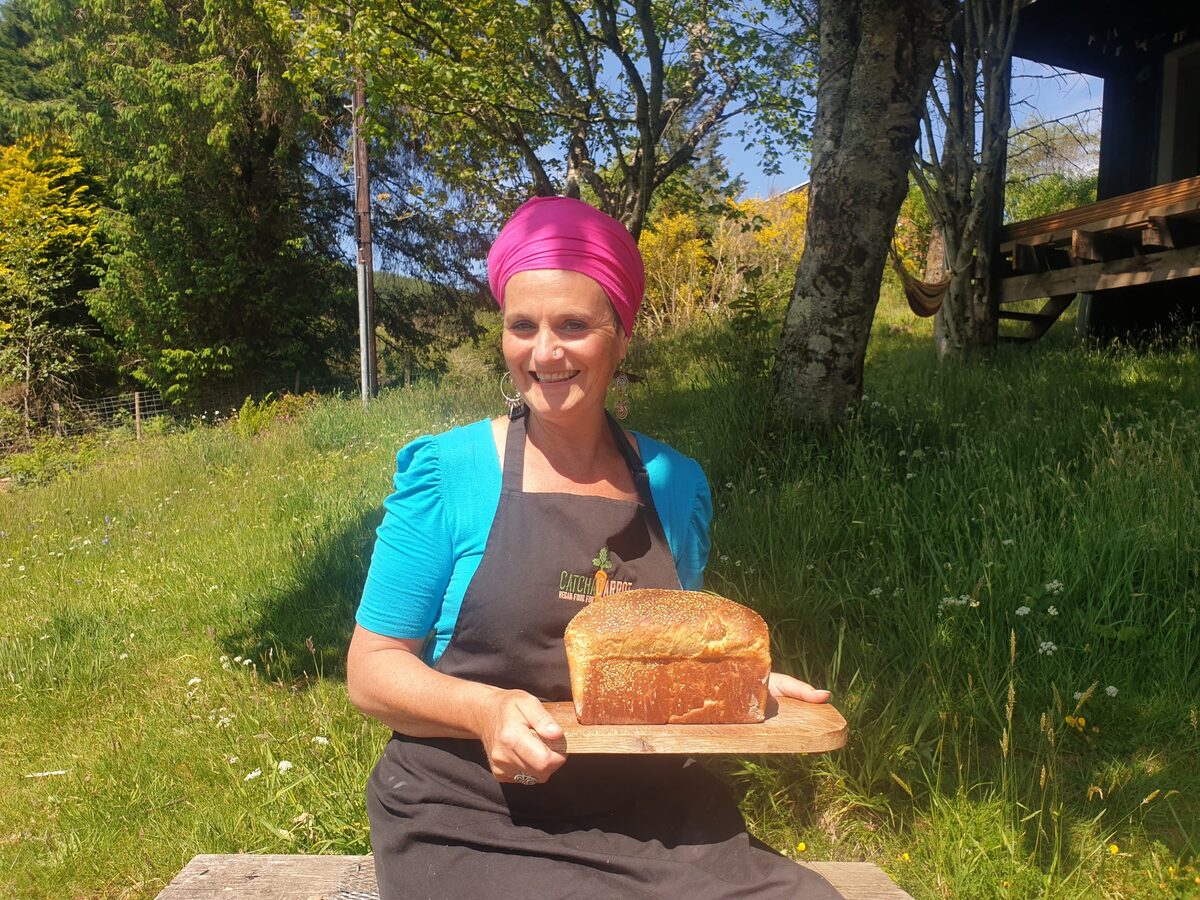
564, 233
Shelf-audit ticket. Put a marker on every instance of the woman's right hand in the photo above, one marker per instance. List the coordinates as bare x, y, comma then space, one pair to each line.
387, 679
514, 731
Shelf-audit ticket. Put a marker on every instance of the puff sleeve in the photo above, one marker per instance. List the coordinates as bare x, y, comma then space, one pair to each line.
413, 557
694, 546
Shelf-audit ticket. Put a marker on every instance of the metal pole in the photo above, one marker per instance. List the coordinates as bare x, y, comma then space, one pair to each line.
366, 276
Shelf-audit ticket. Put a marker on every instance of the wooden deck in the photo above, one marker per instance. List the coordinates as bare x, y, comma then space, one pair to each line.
248, 876
1145, 237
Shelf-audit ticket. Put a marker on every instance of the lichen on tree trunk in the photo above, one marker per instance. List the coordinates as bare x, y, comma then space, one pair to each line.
876, 64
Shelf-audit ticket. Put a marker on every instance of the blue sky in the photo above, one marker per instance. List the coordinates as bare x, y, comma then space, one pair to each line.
1037, 89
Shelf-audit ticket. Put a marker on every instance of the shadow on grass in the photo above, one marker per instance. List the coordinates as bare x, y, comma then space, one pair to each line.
302, 634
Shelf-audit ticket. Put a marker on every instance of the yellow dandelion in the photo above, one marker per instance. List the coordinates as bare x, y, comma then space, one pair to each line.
1080, 722
904, 856
801, 847
1070, 720
1114, 849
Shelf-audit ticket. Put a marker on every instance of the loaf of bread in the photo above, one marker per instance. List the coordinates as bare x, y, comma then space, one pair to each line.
661, 656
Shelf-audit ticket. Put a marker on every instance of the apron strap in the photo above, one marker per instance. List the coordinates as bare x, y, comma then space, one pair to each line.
513, 477
641, 480
514, 455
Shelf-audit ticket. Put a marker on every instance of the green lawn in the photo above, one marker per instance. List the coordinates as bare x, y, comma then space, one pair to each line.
174, 614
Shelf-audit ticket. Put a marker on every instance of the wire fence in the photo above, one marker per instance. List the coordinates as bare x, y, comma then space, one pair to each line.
140, 410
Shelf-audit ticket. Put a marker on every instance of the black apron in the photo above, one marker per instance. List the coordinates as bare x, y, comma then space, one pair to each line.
602, 826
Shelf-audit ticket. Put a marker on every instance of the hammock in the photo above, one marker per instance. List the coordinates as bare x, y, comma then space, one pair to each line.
924, 297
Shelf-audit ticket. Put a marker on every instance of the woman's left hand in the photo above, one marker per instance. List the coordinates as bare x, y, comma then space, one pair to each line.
780, 685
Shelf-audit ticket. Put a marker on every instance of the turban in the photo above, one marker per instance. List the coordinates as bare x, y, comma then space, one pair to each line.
564, 233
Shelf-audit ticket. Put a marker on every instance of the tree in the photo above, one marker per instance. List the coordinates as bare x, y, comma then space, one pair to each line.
622, 92
876, 62
1052, 166
48, 237
221, 254
961, 169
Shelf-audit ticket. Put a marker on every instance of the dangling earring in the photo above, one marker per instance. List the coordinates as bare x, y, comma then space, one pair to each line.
620, 386
514, 402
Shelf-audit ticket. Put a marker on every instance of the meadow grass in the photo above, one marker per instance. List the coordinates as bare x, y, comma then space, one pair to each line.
976, 547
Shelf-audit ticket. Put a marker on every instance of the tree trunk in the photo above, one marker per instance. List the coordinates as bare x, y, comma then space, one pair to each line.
876, 64
964, 184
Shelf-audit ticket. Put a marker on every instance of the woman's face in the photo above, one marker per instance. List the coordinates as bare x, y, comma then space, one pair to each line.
562, 342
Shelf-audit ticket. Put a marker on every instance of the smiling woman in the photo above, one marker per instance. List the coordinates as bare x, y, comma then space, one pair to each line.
460, 629
562, 344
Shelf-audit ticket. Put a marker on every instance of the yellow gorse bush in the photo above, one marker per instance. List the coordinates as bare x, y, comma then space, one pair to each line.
695, 267
678, 270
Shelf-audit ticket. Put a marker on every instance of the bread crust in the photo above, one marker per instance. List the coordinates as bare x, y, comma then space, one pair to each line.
657, 656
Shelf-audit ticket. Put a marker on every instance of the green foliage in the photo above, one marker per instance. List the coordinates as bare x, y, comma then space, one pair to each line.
1051, 167
1050, 193
495, 94
218, 249
49, 458
255, 417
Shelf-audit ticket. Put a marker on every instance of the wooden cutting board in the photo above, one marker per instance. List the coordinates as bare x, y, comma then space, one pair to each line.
791, 726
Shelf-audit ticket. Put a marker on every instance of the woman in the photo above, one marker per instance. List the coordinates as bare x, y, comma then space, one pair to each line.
459, 634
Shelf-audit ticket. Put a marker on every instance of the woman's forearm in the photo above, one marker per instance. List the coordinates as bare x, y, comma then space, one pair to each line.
396, 687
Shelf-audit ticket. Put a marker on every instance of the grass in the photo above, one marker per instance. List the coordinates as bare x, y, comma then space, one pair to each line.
175, 614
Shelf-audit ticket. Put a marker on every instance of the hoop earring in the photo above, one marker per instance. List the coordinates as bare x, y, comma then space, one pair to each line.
514, 402
620, 386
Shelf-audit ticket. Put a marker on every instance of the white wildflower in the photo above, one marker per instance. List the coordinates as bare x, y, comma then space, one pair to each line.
1008, 542
1054, 587
284, 766
875, 591
1052, 611
321, 741
253, 775
1078, 695
123, 656
1047, 647
193, 682
247, 661
1111, 690
1023, 610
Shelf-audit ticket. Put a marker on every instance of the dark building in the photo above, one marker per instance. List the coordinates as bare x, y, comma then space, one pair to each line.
1134, 256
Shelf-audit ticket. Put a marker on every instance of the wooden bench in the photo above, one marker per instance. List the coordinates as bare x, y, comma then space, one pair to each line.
250, 876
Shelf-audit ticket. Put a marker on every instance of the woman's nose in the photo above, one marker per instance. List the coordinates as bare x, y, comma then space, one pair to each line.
547, 349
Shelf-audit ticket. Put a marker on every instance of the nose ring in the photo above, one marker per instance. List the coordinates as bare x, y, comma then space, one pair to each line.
556, 353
